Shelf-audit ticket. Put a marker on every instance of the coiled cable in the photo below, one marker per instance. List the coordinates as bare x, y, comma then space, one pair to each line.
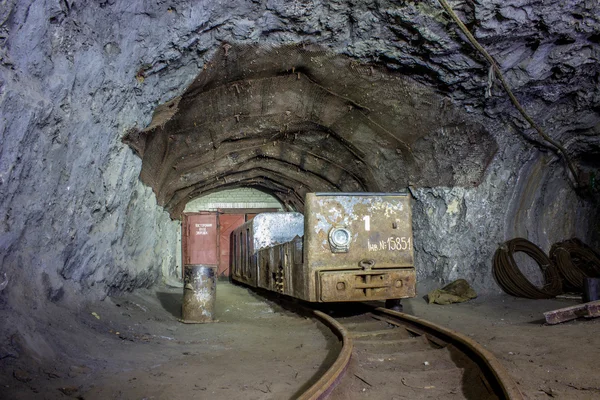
511, 279
575, 261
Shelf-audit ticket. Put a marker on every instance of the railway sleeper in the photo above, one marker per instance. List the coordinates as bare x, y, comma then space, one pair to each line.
416, 360
411, 345
379, 333
416, 365
448, 383
367, 326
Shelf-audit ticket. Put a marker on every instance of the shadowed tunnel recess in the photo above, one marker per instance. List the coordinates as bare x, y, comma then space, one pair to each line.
297, 119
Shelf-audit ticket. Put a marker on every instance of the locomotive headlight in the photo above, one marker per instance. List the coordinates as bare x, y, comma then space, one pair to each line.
340, 237
339, 240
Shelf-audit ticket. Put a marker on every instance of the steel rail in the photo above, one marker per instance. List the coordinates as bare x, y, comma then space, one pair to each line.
321, 388
496, 375
492, 369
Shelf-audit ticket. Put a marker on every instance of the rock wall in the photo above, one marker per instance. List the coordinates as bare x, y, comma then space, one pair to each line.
75, 218
75, 75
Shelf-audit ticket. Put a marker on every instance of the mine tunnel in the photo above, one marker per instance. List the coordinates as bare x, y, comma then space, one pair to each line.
455, 145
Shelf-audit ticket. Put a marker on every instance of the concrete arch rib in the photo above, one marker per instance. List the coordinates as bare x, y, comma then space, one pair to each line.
303, 148
283, 187
184, 149
341, 123
192, 134
289, 157
289, 180
289, 176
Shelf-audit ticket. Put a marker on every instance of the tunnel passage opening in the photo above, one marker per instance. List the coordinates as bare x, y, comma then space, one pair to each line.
294, 119
208, 221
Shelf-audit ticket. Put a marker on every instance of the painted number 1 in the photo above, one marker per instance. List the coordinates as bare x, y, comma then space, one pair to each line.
367, 220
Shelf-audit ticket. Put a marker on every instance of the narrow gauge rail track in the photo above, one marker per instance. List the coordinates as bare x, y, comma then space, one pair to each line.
392, 355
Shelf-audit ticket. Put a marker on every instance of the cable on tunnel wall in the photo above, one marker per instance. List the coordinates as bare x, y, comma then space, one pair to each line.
513, 99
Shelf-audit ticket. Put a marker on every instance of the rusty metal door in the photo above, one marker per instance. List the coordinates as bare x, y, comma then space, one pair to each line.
227, 223
199, 239
251, 216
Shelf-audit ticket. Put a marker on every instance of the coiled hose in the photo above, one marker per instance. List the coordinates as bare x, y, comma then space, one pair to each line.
511, 279
575, 261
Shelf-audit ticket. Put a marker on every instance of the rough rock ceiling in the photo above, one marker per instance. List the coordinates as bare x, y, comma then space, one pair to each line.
297, 119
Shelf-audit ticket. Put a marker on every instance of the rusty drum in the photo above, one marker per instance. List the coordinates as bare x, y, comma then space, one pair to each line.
199, 293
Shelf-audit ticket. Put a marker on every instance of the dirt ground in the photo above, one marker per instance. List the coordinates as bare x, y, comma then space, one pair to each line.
546, 361
137, 349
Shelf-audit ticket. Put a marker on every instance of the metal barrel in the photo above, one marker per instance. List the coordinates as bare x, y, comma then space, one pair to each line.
591, 289
199, 293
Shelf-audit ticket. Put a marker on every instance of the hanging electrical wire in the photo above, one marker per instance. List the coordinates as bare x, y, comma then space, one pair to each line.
498, 73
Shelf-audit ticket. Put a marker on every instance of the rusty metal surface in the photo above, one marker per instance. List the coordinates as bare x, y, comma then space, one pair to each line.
280, 268
500, 382
329, 380
199, 294
356, 247
243, 260
227, 224
248, 94
270, 229
262, 232
367, 285
380, 226
201, 238
494, 371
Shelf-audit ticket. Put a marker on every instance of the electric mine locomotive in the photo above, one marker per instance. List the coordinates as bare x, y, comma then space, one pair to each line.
346, 247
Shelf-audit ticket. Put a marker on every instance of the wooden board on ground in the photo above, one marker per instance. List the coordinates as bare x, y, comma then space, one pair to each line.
587, 310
